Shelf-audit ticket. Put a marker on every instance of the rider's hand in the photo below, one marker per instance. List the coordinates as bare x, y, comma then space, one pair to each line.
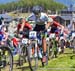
21, 32
23, 23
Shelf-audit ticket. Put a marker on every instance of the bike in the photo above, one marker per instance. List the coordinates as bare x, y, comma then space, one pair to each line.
33, 57
6, 56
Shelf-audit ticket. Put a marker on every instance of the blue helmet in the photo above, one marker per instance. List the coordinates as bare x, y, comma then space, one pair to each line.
37, 9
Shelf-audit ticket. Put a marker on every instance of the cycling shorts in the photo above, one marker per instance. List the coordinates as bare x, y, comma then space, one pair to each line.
39, 28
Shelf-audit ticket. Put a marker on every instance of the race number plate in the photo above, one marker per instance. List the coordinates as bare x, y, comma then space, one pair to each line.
52, 35
24, 41
32, 34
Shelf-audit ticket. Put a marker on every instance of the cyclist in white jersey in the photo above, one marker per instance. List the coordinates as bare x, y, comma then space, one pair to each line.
42, 23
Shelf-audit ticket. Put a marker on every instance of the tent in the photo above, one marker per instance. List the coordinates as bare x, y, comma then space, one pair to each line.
6, 17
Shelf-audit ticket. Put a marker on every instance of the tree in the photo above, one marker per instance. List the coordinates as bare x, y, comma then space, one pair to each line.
47, 4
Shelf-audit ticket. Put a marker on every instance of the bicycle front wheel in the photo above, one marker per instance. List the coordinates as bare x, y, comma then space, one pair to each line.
6, 59
32, 59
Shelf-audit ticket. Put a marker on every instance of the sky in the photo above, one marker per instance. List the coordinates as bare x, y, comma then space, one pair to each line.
6, 1
65, 2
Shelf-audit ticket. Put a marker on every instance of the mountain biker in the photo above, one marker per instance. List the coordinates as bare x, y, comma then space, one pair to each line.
42, 23
3, 35
54, 43
25, 32
3, 30
26, 27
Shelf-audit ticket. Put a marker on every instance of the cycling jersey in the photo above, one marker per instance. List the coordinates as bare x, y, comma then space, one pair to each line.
39, 20
27, 25
26, 29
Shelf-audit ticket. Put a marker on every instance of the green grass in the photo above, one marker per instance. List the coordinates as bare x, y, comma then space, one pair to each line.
64, 62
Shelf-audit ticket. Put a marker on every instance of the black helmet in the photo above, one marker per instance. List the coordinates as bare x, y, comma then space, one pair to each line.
36, 9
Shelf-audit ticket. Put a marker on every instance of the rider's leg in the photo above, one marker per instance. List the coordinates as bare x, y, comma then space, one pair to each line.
44, 45
44, 49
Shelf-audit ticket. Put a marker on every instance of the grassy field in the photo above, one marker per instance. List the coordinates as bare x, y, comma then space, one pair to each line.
64, 62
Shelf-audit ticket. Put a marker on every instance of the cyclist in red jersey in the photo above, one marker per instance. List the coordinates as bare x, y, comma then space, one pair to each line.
26, 28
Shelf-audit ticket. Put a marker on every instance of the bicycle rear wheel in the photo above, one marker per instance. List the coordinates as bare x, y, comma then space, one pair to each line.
23, 55
6, 59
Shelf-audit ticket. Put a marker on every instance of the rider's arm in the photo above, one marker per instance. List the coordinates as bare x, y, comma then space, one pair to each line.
18, 28
28, 25
22, 26
6, 36
31, 17
49, 22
